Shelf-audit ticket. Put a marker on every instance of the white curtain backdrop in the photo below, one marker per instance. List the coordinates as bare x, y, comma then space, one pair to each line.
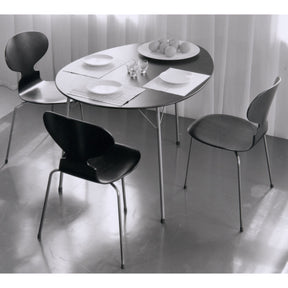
248, 52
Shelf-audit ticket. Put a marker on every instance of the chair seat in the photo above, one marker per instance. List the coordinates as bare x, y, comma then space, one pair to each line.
224, 131
112, 166
43, 92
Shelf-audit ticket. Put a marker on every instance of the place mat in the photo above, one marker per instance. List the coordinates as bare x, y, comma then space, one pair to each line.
195, 79
80, 68
120, 98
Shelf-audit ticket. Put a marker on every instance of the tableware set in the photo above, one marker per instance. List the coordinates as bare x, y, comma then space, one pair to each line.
137, 67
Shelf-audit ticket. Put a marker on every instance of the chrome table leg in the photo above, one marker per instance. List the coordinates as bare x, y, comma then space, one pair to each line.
60, 187
81, 111
239, 190
177, 125
68, 107
160, 160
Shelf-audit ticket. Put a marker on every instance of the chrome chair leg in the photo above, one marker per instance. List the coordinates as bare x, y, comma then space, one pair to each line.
11, 131
45, 203
268, 161
188, 161
81, 111
124, 195
177, 125
239, 190
120, 224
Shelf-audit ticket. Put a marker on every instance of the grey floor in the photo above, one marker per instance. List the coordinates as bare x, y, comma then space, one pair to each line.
80, 234
9, 99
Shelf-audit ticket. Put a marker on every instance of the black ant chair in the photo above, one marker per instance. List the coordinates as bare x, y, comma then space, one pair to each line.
236, 134
22, 52
90, 153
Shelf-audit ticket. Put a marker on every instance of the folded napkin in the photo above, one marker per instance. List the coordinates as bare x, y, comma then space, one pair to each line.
194, 80
126, 94
81, 68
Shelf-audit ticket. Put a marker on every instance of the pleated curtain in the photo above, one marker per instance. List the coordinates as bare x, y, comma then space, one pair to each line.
247, 50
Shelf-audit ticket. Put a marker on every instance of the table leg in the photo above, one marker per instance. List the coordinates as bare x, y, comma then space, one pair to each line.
60, 187
68, 107
177, 125
160, 165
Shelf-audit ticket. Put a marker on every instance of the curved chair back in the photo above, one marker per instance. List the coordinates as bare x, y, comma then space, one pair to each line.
259, 108
23, 51
79, 140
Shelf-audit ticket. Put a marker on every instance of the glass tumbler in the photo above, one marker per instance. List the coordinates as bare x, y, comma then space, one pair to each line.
143, 66
132, 68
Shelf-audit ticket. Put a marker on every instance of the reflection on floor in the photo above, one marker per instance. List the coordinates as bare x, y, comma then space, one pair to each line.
9, 99
201, 231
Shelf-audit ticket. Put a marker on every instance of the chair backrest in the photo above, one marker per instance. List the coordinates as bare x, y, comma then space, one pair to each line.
79, 140
23, 51
259, 108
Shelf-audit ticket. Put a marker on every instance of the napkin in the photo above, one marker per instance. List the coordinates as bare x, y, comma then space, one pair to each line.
79, 67
195, 79
126, 94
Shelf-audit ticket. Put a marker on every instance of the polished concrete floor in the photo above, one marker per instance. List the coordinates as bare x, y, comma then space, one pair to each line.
9, 99
201, 233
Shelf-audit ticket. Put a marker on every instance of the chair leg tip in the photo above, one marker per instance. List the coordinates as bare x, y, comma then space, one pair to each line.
39, 237
60, 190
185, 187
162, 220
177, 143
122, 266
125, 210
271, 186
241, 229
6, 161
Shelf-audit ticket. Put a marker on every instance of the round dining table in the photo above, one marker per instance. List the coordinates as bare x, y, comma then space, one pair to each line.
79, 74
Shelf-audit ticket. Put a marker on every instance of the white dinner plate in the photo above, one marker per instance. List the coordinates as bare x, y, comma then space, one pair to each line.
175, 76
98, 60
104, 87
145, 51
